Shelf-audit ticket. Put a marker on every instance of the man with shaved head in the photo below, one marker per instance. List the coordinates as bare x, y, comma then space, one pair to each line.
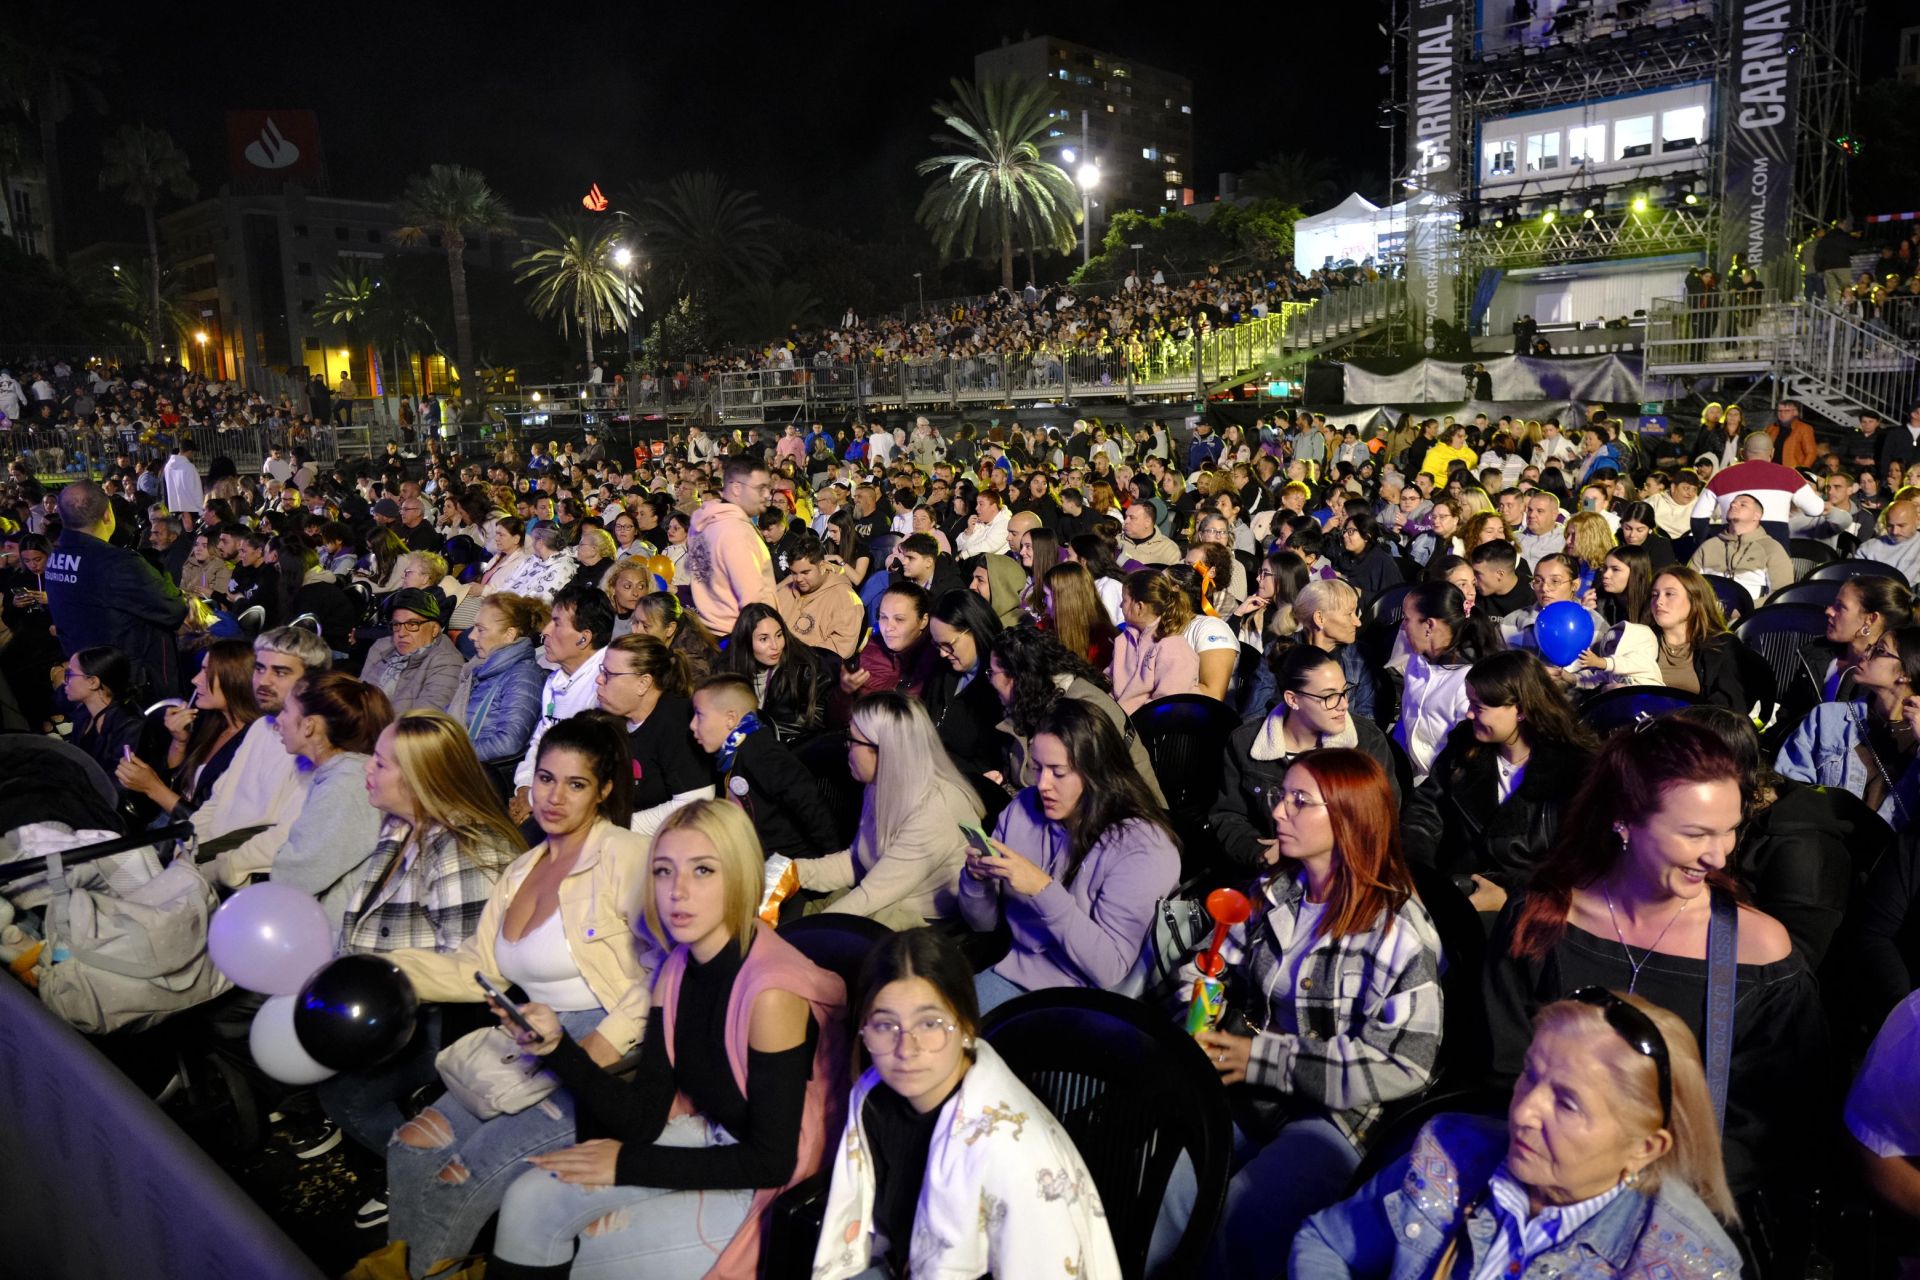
1896, 546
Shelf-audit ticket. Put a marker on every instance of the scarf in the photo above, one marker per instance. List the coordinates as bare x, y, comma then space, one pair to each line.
731, 747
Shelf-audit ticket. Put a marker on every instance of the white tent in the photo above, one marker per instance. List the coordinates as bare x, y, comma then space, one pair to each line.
1355, 229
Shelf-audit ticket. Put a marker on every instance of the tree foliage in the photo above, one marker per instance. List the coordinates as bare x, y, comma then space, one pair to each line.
994, 188
147, 166
704, 237
1243, 233
452, 202
576, 278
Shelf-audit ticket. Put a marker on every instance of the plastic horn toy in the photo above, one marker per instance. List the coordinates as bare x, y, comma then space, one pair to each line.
1228, 907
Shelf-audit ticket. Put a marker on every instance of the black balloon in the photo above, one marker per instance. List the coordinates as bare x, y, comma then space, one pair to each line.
357, 1011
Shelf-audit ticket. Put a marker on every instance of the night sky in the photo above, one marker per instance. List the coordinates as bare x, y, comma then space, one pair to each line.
822, 109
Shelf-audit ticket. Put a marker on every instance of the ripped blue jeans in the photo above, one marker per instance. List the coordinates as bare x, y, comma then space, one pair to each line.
438, 1197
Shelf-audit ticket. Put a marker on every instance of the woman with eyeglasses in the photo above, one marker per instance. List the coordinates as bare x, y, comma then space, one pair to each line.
1333, 1010
645, 684
1078, 861
961, 700
1868, 747
1608, 1164
1314, 712
903, 868
913, 1168
1862, 612
95, 684
1488, 811
1635, 886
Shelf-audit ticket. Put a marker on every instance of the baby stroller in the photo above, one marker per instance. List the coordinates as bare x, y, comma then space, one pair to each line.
115, 944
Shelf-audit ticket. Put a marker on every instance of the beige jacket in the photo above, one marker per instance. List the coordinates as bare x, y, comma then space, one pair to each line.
912, 880
601, 915
830, 618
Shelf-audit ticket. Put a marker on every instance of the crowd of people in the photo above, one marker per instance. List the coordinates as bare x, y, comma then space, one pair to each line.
550, 716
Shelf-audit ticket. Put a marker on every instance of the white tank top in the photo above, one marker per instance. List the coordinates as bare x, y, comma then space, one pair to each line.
542, 964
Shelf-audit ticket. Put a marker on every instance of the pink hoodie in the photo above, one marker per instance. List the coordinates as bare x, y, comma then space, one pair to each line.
728, 565
1145, 668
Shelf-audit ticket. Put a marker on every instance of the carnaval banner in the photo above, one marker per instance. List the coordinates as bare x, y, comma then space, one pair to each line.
1757, 111
1437, 35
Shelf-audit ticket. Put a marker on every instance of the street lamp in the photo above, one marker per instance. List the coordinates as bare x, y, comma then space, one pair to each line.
200, 337
1136, 258
623, 258
1088, 177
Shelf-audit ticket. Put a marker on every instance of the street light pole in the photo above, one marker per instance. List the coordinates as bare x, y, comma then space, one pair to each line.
1086, 196
920, 287
623, 258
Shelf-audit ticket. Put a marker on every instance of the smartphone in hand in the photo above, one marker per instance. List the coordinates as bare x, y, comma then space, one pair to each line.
499, 997
977, 840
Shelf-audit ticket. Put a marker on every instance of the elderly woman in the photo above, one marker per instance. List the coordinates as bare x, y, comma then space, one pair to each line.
593, 555
1328, 615
417, 667
1608, 1164
498, 696
549, 566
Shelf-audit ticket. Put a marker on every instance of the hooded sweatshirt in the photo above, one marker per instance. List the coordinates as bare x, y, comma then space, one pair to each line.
1006, 579
728, 565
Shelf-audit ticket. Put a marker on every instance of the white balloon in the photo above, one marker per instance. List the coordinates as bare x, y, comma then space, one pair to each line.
276, 1049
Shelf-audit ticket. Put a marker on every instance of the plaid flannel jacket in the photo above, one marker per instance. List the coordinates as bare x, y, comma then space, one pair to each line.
1361, 1025
432, 903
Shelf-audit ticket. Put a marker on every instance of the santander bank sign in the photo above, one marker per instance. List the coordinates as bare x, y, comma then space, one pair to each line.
273, 144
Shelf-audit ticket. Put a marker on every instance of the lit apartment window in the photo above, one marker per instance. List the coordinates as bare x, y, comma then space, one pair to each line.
1149, 153
1173, 176
1186, 111
1120, 73
1501, 157
1633, 138
1056, 133
1063, 73
1587, 144
1172, 194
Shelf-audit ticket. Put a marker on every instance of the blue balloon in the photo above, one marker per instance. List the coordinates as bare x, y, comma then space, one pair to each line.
1563, 631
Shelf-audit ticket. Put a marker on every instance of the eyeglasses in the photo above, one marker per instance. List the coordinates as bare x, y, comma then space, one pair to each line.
1330, 699
852, 741
412, 625
1637, 1029
1539, 581
1884, 650
606, 674
929, 1035
1297, 800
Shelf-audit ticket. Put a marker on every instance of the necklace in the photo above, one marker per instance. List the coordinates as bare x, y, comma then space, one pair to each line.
1636, 966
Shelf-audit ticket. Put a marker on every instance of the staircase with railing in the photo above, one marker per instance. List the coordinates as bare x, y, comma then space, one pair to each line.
1836, 363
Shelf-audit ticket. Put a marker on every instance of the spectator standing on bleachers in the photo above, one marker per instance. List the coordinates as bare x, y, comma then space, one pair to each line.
1792, 437
182, 477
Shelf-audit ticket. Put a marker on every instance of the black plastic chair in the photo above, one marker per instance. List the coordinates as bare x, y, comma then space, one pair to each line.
1613, 709
1386, 606
1814, 591
1185, 735
1841, 570
1815, 552
1779, 634
1735, 600
838, 943
1134, 1092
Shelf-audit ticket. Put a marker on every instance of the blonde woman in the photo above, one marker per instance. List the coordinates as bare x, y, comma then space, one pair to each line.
625, 584
1589, 538
444, 840
903, 868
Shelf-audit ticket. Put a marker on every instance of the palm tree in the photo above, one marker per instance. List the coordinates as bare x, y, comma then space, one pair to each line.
1291, 178
132, 291
352, 303
147, 165
575, 276
996, 189
770, 309
703, 234
451, 201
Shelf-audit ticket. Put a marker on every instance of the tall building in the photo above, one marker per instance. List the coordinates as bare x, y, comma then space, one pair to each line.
1909, 67
1139, 118
24, 209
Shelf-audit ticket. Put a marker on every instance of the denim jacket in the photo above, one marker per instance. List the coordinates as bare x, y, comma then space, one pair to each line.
1399, 1224
1828, 749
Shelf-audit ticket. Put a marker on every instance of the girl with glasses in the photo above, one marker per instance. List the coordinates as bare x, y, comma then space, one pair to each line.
1868, 747
903, 868
1333, 1010
1623, 900
1314, 711
1608, 1158
921, 1152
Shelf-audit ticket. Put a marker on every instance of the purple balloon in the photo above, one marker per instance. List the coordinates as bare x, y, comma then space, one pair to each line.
1563, 631
270, 938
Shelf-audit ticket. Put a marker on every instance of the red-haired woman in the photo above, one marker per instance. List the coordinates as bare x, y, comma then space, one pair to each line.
1333, 1010
1623, 900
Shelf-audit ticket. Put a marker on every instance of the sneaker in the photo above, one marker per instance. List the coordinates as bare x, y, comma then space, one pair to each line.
371, 1214
310, 1138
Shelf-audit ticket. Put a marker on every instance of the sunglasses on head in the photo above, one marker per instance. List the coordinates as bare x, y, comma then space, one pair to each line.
1637, 1029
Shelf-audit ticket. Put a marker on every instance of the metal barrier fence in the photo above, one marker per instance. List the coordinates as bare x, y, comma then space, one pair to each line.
1719, 331
76, 453
1858, 361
